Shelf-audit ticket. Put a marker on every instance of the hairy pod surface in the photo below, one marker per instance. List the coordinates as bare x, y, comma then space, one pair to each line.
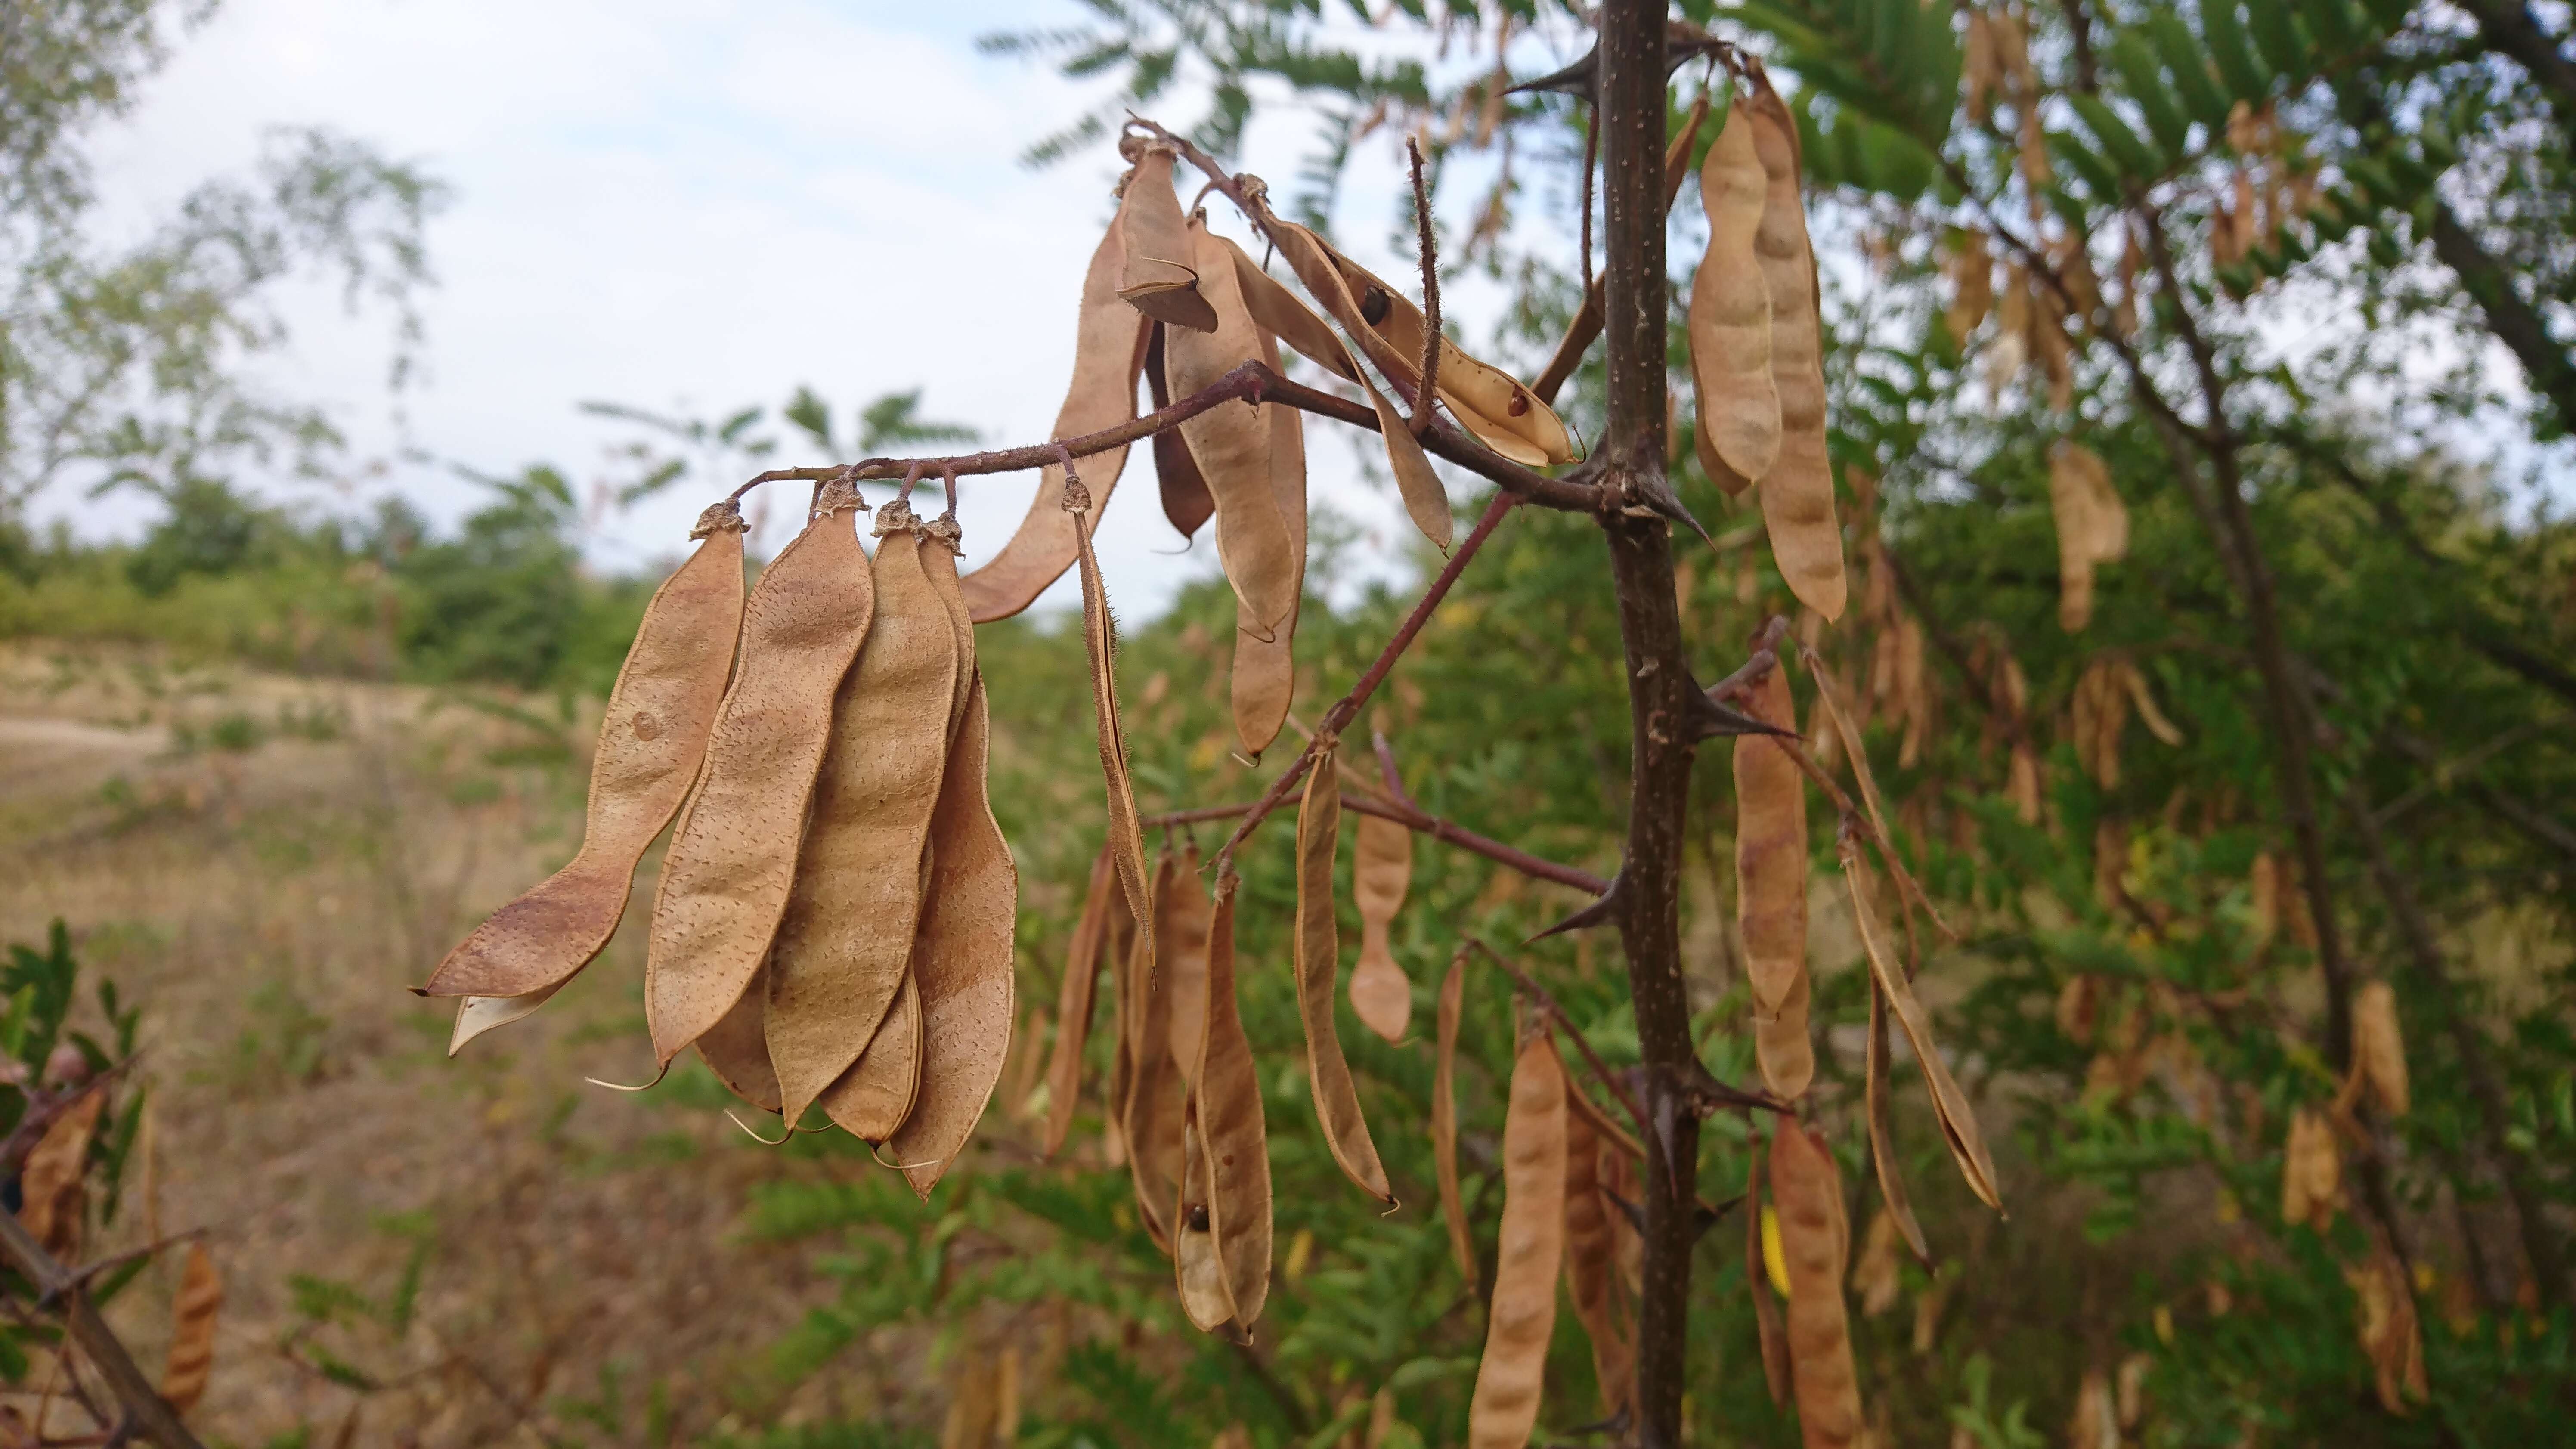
1444, 1117
1225, 1108
1950, 1106
652, 739
1109, 351
1528, 1250
1319, 947
1730, 315
1381, 872
1798, 491
732, 857
1815, 1242
1771, 890
1074, 997
845, 941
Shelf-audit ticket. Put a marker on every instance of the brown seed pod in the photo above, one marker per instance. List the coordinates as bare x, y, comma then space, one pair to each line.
1486, 400
2391, 1335
736, 1048
1972, 285
51, 1185
1232, 446
1264, 679
1381, 996
1730, 315
1186, 501
1528, 1249
1815, 1240
1949, 1105
1878, 1275
2379, 1046
1882, 1149
1276, 310
651, 739
1150, 1116
1771, 1334
732, 857
1163, 276
2311, 1171
1100, 640
845, 941
1771, 890
1109, 351
1337, 1098
192, 1331
1798, 492
1225, 1108
2092, 527
1181, 935
1197, 1267
1074, 998
1590, 1244
875, 1096
962, 959
1444, 1118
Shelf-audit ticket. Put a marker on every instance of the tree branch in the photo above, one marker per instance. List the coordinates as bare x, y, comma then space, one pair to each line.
145, 1409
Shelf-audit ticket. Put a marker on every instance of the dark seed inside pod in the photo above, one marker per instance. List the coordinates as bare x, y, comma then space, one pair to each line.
1519, 405
1374, 305
1194, 1217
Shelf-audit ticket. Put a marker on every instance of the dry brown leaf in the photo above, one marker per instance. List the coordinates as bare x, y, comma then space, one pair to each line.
192, 1333
2379, 1046
1798, 491
1528, 1250
844, 946
1337, 1099
1444, 1118
1771, 890
1814, 1241
2095, 1422
732, 857
1381, 995
1949, 1105
652, 738
2092, 527
1730, 315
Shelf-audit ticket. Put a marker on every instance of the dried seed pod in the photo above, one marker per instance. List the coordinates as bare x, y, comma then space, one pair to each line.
1771, 890
1882, 1150
1730, 315
1186, 501
1197, 1268
1949, 1105
1181, 935
1590, 1244
476, 1015
962, 959
2379, 1046
1444, 1118
1263, 682
1381, 996
2391, 1335
1225, 1110
736, 1048
875, 1096
192, 1332
1232, 446
2311, 1171
732, 857
1798, 491
1276, 311
1878, 1275
1972, 285
1122, 1061
1100, 641
1760, 1248
845, 942
651, 739
1487, 401
1162, 276
1814, 1241
1109, 351
1074, 998
51, 1184
1150, 1117
2092, 527
1528, 1250
1337, 1097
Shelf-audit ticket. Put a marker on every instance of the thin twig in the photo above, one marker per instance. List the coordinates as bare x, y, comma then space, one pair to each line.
1556, 1014
55, 1284
1535, 867
1423, 401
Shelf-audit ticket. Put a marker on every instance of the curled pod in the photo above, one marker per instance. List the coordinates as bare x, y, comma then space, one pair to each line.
1967, 1142
1771, 890
1815, 1242
1232, 447
1730, 315
1225, 1110
1381, 996
1444, 1117
1074, 998
1109, 351
652, 740
844, 946
1527, 1251
732, 857
1798, 491
1319, 947
1161, 276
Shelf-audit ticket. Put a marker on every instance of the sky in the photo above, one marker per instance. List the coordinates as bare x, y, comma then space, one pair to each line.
691, 208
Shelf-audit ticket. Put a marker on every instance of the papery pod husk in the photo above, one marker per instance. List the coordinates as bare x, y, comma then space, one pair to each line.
193, 1314
1161, 276
1109, 352
1100, 643
1381, 871
1224, 1114
1529, 1249
1878, 1275
1263, 682
2092, 527
1899, 1211
736, 1048
844, 946
1232, 447
2311, 1171
1972, 285
1590, 1245
1798, 492
1771, 890
732, 858
2391, 1334
652, 739
1444, 1118
1074, 1000
1730, 316
1815, 1241
53, 1180
2379, 1046
1950, 1106
1181, 926
1187, 504
1151, 1116
1318, 953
